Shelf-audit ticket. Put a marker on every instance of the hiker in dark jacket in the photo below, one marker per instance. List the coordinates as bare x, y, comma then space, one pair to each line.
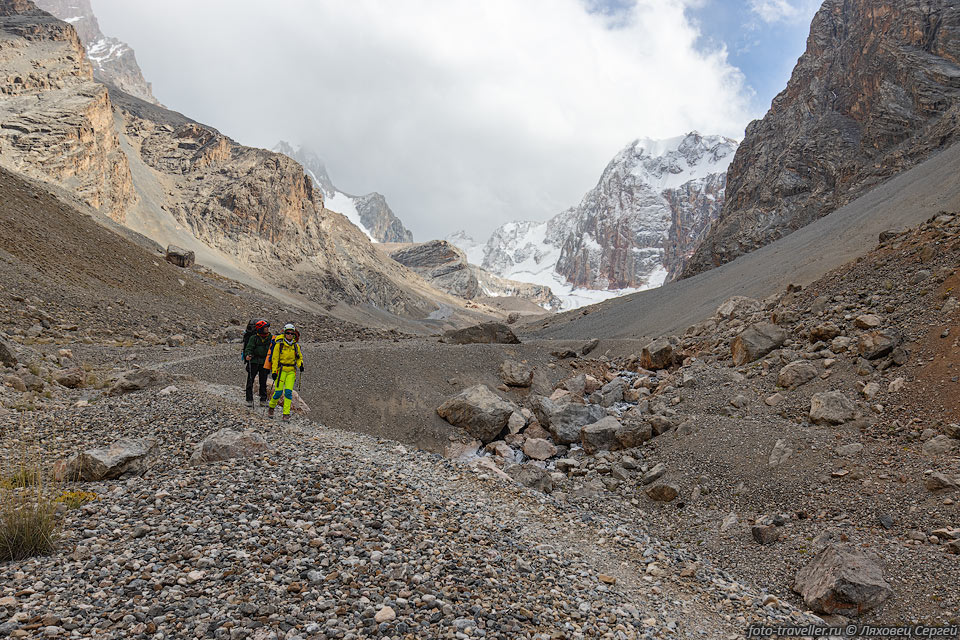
255, 354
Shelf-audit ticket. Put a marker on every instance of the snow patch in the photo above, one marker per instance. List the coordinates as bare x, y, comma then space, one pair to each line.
343, 204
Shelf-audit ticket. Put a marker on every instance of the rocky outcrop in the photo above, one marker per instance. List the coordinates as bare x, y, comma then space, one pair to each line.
874, 94
446, 267
370, 212
57, 121
113, 61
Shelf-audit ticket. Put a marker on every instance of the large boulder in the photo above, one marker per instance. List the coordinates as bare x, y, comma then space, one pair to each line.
657, 355
516, 374
70, 378
612, 392
479, 410
179, 256
757, 341
876, 344
797, 373
226, 444
663, 492
939, 445
634, 433
841, 581
135, 380
7, 356
564, 420
601, 435
125, 457
484, 333
738, 307
831, 407
539, 448
530, 475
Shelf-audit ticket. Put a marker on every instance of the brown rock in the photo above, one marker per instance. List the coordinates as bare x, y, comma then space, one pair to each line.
756, 342
841, 581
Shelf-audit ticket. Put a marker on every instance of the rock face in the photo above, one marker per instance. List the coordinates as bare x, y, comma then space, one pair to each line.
125, 457
113, 61
479, 410
841, 581
57, 121
446, 267
874, 94
369, 212
226, 444
638, 225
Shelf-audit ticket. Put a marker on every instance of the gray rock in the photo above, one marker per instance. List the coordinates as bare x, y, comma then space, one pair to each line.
831, 407
530, 475
612, 392
135, 380
565, 420
939, 446
226, 444
70, 378
589, 347
125, 457
654, 474
876, 344
479, 410
937, 481
32, 382
767, 534
180, 257
797, 373
7, 356
601, 435
516, 374
484, 333
841, 581
851, 449
756, 342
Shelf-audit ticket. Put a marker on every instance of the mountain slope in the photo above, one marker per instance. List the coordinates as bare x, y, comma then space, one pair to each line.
801, 257
631, 232
369, 212
876, 92
113, 61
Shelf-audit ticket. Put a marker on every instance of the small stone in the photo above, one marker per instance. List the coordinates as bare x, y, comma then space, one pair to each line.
664, 492
605, 579
766, 534
385, 615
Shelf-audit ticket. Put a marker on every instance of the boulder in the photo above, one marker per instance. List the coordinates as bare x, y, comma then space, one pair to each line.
738, 306
765, 534
7, 356
530, 475
868, 321
176, 340
479, 410
70, 378
484, 333
539, 448
125, 457
824, 332
565, 420
663, 492
16, 382
633, 434
797, 373
226, 444
756, 342
612, 392
32, 382
657, 355
876, 344
937, 481
516, 374
841, 581
180, 257
135, 380
601, 435
589, 347
831, 407
654, 474
939, 445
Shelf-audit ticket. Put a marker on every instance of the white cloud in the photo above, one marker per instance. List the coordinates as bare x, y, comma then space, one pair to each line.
771, 11
463, 113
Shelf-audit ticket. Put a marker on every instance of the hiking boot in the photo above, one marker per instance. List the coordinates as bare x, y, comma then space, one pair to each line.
286, 417
270, 412
250, 404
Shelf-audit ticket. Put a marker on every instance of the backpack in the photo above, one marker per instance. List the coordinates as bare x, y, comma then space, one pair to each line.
249, 333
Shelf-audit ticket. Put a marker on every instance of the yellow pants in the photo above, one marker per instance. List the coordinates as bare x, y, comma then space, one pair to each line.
284, 387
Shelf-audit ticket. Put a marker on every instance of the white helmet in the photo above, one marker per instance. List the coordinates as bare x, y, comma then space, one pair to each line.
289, 327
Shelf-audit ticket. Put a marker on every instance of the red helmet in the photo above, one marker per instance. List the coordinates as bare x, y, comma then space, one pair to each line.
261, 326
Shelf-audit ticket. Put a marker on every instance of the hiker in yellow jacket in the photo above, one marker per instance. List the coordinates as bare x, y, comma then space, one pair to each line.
285, 359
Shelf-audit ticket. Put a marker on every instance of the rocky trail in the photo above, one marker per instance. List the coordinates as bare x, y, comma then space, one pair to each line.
332, 534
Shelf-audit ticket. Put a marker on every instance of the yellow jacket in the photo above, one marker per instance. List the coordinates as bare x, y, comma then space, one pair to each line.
285, 355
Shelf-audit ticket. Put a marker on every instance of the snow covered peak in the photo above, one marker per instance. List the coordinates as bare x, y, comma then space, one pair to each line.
672, 162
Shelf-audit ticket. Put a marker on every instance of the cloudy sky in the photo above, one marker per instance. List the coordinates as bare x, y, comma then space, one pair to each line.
465, 113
